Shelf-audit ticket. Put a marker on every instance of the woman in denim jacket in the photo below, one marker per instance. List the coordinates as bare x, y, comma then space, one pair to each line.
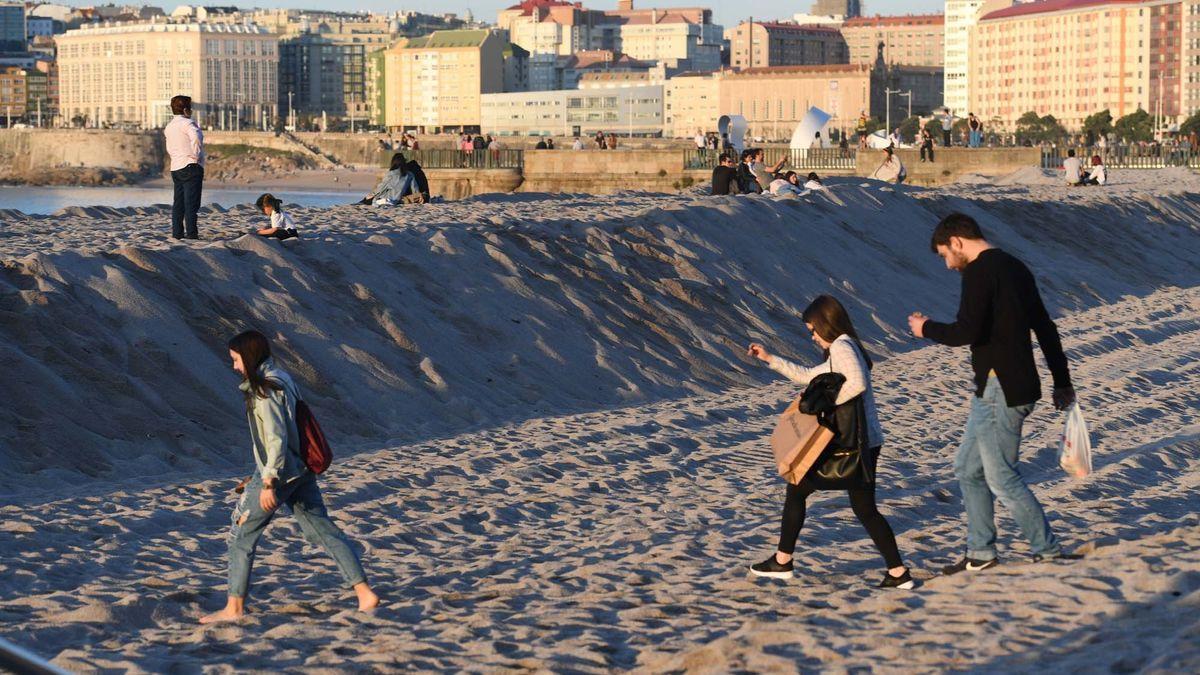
280, 478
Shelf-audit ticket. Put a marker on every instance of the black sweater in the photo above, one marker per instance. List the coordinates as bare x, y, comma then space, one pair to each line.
1000, 304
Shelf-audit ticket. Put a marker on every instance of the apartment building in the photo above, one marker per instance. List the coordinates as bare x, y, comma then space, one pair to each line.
1073, 58
127, 73
910, 40
635, 109
435, 83
683, 36
764, 44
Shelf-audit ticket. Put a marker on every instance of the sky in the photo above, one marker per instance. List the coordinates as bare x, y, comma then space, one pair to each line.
725, 12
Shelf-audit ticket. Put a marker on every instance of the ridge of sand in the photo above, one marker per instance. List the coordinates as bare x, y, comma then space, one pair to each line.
416, 323
618, 540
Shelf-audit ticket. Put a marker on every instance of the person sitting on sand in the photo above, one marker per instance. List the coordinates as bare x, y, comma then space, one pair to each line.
814, 182
1098, 175
759, 167
404, 182
1072, 169
280, 479
725, 176
892, 169
844, 354
282, 226
788, 184
747, 182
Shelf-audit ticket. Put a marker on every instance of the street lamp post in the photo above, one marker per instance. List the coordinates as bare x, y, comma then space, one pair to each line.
351, 112
888, 103
291, 120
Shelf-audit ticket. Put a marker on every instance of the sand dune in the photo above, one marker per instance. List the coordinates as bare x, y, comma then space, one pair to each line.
415, 323
618, 540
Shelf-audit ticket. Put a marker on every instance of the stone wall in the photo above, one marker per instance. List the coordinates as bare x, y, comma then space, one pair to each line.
27, 152
601, 171
455, 184
952, 164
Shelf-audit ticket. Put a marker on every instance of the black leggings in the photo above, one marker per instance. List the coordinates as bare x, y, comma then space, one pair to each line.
863, 503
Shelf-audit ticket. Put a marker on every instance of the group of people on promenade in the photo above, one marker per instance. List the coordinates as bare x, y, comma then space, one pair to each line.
999, 307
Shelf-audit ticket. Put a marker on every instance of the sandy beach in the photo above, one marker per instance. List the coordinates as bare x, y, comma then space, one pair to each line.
552, 448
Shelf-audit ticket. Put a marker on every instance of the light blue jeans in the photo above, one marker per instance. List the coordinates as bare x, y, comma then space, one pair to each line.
986, 467
303, 497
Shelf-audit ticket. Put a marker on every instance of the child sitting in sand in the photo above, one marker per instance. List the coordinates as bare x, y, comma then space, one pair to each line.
282, 226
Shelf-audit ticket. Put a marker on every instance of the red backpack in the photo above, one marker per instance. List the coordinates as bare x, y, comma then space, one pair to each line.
314, 449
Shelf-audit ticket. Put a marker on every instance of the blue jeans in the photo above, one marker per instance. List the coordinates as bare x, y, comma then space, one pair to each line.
986, 467
304, 498
188, 183
976, 138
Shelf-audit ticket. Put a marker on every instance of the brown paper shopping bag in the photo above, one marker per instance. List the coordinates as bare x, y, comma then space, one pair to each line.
797, 442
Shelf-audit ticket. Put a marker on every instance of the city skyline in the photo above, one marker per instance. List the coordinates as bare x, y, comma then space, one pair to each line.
725, 12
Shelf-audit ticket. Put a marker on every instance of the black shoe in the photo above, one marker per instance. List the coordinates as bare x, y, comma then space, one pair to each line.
192, 236
969, 565
771, 568
904, 581
1057, 556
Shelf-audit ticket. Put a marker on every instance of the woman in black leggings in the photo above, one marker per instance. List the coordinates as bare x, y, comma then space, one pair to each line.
833, 332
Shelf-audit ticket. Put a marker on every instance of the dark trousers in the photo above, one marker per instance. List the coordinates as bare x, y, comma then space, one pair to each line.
188, 182
946, 137
927, 147
862, 501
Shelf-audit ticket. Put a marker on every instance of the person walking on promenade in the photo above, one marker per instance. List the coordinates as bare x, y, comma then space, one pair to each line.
844, 354
280, 479
999, 306
185, 145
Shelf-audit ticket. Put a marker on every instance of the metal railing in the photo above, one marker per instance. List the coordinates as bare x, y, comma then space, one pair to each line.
827, 159
1126, 156
445, 158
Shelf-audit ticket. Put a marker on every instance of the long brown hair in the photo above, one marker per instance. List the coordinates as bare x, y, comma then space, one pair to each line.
830, 320
254, 348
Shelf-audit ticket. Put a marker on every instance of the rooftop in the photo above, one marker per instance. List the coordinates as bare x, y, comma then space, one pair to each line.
905, 20
446, 39
165, 27
1046, 6
783, 71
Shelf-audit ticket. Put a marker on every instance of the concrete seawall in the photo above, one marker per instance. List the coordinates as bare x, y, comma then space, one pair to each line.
951, 164
55, 156
30, 153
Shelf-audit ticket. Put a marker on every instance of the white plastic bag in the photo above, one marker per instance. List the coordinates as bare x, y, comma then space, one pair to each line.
1075, 451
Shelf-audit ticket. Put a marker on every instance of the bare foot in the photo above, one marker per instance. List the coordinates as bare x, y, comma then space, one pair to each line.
225, 615
367, 600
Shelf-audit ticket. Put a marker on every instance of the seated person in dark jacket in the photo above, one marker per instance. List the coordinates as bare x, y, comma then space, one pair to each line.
725, 177
420, 192
747, 181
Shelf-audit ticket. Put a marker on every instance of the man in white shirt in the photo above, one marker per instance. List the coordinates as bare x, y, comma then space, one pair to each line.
699, 140
947, 126
185, 145
1072, 168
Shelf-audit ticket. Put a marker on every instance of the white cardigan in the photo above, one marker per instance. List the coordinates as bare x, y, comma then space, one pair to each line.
844, 358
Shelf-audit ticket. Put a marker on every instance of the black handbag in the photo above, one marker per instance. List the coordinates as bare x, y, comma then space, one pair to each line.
842, 464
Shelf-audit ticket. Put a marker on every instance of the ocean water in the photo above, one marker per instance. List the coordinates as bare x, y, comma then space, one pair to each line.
47, 200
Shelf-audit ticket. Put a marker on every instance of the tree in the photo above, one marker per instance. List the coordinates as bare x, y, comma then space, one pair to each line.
874, 125
1135, 127
1038, 129
909, 127
1190, 125
1098, 124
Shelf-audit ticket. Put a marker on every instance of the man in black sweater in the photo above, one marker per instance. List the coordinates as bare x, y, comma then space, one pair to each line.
724, 177
1000, 305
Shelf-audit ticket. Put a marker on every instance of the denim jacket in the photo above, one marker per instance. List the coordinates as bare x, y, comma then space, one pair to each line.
273, 433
